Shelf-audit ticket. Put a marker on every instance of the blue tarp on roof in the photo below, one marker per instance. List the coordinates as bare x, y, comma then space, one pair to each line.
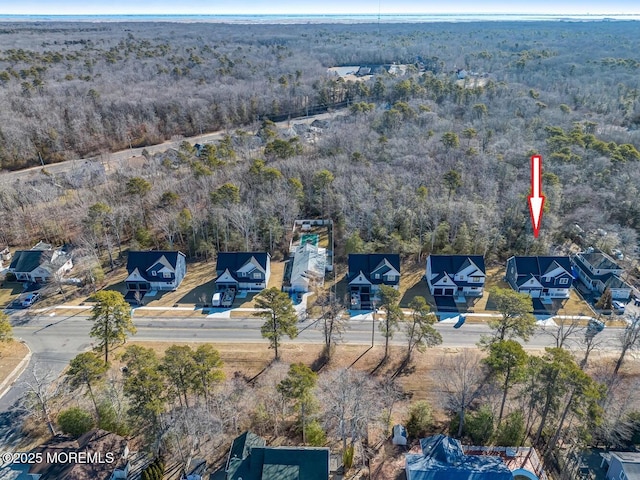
443, 459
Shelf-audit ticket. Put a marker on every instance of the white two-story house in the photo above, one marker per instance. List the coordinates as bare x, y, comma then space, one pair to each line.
248, 271
544, 277
41, 264
154, 270
598, 271
458, 276
367, 272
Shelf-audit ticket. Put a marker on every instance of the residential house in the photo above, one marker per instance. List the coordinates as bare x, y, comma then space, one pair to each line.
307, 268
544, 277
443, 458
624, 466
457, 276
5, 256
367, 272
243, 271
598, 271
250, 459
160, 270
106, 457
41, 264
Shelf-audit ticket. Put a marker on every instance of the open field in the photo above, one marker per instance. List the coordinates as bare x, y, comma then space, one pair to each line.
417, 380
412, 284
249, 359
277, 274
9, 292
11, 354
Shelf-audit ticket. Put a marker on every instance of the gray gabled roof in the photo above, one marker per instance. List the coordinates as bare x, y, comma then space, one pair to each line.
442, 458
599, 260
308, 263
26, 261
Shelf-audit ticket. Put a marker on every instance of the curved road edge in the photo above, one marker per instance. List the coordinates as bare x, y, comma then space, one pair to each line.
8, 382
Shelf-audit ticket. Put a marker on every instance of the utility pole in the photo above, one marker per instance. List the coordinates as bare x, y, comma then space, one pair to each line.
373, 323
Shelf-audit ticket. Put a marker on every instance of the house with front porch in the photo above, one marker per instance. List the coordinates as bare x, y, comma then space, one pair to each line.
249, 271
543, 277
159, 270
367, 272
597, 271
41, 264
458, 276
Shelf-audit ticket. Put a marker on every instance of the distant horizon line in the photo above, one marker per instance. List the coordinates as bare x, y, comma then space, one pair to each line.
368, 14
316, 18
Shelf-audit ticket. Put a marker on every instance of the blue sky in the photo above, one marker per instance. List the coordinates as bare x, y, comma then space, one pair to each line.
88, 7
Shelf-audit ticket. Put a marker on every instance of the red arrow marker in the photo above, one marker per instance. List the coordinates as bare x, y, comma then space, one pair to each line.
536, 199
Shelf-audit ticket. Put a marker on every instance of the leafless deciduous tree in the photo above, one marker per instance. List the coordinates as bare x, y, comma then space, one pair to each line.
230, 403
271, 406
42, 390
629, 340
564, 328
461, 381
350, 403
332, 321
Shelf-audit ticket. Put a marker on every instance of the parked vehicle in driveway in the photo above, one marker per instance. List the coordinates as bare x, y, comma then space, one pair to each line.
30, 299
618, 307
216, 300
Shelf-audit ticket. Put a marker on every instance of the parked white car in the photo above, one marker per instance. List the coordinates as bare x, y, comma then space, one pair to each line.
618, 307
30, 299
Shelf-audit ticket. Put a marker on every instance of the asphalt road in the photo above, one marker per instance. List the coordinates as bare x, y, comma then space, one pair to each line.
54, 340
111, 160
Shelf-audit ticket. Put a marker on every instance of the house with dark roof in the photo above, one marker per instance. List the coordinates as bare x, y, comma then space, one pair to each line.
160, 270
41, 264
248, 271
250, 459
544, 277
597, 271
443, 458
367, 272
458, 276
105, 454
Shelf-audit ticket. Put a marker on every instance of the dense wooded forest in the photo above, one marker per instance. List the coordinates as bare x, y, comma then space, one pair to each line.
414, 163
422, 161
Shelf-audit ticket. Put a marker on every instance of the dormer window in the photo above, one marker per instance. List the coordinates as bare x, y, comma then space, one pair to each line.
166, 275
564, 281
154, 273
376, 276
256, 275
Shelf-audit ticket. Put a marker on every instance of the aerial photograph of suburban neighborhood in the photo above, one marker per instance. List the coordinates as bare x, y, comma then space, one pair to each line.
361, 240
